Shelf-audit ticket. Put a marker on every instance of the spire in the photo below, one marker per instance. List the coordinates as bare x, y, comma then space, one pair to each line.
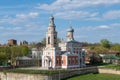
51, 23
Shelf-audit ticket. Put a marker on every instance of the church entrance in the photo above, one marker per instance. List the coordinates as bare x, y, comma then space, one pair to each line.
47, 62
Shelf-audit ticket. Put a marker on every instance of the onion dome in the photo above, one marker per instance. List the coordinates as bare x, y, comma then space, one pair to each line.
51, 23
70, 29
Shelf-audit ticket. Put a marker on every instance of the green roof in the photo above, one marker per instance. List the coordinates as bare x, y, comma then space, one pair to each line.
111, 57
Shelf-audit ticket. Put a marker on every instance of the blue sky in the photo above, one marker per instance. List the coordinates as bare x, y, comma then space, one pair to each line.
92, 20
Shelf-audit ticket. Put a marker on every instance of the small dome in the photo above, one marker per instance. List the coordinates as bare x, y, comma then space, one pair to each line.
51, 17
70, 29
51, 23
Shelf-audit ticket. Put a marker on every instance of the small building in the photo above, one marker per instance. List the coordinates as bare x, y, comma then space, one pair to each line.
23, 61
36, 53
111, 59
24, 42
12, 42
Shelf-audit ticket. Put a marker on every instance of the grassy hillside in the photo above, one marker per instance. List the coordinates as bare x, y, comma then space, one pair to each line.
96, 77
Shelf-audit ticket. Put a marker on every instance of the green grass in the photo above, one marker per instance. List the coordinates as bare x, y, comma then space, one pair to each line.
96, 77
44, 72
110, 66
117, 67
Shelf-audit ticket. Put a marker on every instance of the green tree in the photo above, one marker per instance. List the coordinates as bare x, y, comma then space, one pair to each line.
116, 47
43, 41
105, 43
100, 50
24, 50
3, 57
39, 45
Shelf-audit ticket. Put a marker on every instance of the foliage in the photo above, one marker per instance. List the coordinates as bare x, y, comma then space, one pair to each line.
10, 52
3, 57
105, 43
28, 71
100, 50
116, 47
43, 41
19, 51
92, 47
4, 72
96, 77
39, 45
95, 59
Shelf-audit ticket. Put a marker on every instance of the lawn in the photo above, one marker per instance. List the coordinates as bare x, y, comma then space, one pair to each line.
117, 67
46, 72
110, 66
96, 77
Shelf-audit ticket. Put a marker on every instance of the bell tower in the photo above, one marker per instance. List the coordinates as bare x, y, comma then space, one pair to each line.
51, 35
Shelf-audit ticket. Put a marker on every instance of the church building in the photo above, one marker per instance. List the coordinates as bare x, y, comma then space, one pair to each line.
67, 54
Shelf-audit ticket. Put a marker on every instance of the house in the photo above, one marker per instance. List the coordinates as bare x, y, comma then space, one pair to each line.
24, 42
111, 57
36, 53
12, 42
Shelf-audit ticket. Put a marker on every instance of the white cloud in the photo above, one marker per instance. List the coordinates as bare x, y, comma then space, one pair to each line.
96, 33
75, 15
115, 25
75, 4
19, 18
115, 14
29, 28
63, 9
30, 15
103, 27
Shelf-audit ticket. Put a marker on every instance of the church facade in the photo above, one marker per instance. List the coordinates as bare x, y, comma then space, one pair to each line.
67, 54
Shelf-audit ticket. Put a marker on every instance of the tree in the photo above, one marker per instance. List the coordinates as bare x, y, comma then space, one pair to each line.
105, 43
3, 57
100, 50
43, 41
116, 47
24, 50
39, 45
95, 59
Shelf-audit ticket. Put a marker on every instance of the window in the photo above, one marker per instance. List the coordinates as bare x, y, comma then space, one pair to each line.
48, 40
54, 37
57, 61
69, 62
62, 61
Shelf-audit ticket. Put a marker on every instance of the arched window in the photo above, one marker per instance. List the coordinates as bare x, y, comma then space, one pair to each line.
48, 40
54, 37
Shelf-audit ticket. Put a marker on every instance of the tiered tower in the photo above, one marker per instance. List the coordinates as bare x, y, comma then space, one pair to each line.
51, 35
52, 50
